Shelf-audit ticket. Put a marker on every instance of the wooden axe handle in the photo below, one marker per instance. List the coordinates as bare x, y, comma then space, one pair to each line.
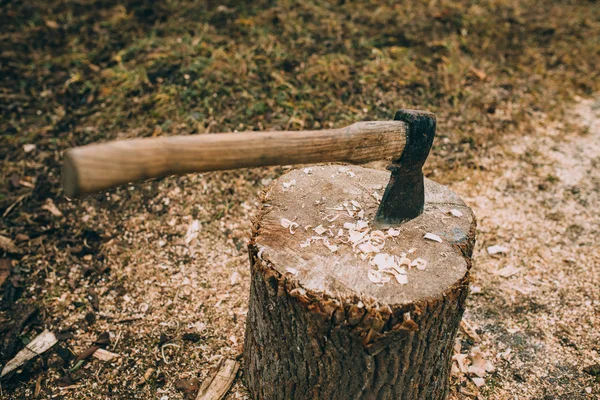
96, 167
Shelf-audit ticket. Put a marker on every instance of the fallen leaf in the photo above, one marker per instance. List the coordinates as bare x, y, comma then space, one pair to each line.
37, 346
87, 353
188, 386
5, 268
8, 245
103, 339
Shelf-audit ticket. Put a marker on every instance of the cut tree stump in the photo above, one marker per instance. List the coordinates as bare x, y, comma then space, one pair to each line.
317, 326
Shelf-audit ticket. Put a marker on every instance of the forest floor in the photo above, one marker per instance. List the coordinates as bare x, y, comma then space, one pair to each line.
512, 84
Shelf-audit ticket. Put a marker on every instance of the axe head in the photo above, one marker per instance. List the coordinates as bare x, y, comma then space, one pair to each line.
404, 196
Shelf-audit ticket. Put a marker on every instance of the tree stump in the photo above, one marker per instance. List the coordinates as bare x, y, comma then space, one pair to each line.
317, 326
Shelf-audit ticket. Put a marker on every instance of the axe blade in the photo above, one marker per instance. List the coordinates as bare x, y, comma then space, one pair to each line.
404, 196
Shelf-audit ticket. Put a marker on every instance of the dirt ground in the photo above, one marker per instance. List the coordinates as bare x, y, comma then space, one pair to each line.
162, 266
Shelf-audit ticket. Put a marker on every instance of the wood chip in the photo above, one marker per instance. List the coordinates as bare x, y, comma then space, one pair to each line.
374, 276
507, 271
393, 232
469, 330
146, 377
455, 213
287, 185
217, 386
497, 249
319, 230
37, 346
285, 222
292, 271
419, 263
51, 208
28, 148
105, 355
192, 232
479, 382
433, 237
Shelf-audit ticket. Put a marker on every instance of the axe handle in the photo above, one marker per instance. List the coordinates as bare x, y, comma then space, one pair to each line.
96, 167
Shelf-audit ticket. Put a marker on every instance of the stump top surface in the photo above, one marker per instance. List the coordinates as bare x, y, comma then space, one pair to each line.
313, 199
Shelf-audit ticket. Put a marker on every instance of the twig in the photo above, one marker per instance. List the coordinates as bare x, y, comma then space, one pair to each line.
13, 205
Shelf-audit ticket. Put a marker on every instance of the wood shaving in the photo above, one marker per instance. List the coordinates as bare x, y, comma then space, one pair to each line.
332, 247
419, 263
287, 185
393, 232
192, 232
432, 237
374, 276
331, 218
285, 222
37, 346
455, 213
292, 271
479, 382
376, 196
347, 171
507, 271
51, 208
319, 230
497, 249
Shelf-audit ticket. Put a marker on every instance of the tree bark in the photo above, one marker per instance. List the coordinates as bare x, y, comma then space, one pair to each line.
317, 342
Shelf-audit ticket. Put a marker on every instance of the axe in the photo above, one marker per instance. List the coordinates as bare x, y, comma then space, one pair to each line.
406, 140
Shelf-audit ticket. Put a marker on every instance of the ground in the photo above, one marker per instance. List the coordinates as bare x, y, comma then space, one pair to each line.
512, 84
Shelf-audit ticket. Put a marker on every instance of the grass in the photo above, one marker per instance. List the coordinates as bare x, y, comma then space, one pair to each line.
93, 70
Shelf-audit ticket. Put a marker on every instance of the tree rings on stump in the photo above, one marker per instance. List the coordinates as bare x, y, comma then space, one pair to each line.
336, 309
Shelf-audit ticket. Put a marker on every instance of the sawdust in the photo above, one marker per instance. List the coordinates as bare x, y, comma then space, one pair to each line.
538, 298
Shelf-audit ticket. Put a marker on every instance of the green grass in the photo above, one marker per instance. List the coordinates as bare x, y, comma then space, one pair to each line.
83, 71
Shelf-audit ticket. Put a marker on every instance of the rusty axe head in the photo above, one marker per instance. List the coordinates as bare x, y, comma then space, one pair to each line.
404, 196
